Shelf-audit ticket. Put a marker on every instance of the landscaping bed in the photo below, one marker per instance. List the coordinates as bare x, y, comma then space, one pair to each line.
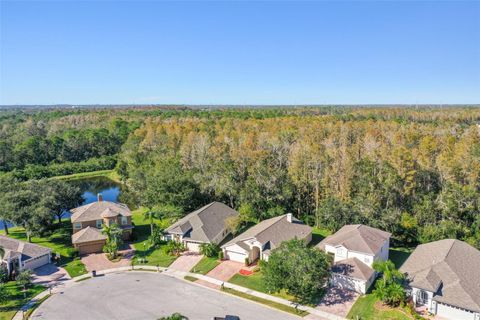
368, 307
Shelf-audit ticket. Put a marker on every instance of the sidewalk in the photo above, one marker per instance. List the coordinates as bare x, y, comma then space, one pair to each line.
314, 313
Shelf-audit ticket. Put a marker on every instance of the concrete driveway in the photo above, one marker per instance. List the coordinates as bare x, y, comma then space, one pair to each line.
147, 295
186, 262
338, 301
225, 270
49, 274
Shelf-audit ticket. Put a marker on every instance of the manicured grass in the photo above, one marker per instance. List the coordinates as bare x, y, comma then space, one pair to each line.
60, 242
399, 255
141, 244
255, 282
205, 265
318, 234
364, 308
111, 174
190, 278
75, 268
16, 299
269, 303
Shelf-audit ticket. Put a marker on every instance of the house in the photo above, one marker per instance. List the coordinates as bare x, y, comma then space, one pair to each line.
205, 225
88, 221
354, 249
20, 255
444, 277
258, 241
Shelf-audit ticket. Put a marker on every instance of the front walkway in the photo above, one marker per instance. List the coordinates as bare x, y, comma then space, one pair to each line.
99, 261
338, 301
186, 262
225, 270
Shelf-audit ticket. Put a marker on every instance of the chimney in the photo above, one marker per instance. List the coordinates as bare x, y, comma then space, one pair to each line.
289, 217
99, 197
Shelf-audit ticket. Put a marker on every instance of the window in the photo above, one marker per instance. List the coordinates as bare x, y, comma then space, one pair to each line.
341, 252
367, 259
77, 225
99, 224
124, 221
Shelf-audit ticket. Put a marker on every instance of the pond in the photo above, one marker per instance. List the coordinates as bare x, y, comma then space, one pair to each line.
91, 187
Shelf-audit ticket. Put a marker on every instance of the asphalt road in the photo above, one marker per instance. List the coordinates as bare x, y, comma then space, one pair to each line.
146, 295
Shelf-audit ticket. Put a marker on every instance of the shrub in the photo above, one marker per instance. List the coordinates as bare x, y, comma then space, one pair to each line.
209, 249
72, 253
3, 274
220, 255
174, 248
247, 262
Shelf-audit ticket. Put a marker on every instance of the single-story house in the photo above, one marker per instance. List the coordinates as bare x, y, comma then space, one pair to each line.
354, 249
20, 255
205, 225
88, 220
444, 277
258, 241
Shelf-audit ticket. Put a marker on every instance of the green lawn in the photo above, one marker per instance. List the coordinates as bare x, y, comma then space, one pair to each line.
365, 309
255, 282
141, 244
399, 255
269, 303
60, 242
205, 265
16, 299
111, 174
318, 234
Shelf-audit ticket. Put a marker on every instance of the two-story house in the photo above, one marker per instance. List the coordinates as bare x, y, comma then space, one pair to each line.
88, 220
354, 249
19, 255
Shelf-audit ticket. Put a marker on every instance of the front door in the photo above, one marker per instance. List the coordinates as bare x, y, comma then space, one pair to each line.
422, 298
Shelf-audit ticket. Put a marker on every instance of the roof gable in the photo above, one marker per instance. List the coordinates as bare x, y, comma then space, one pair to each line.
15, 248
98, 210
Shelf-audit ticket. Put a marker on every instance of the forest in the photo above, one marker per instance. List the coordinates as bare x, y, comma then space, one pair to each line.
414, 172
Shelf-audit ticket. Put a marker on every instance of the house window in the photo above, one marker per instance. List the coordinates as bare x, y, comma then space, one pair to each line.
124, 221
99, 224
367, 260
77, 225
340, 252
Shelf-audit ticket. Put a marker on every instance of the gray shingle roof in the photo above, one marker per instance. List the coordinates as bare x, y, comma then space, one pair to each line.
97, 210
204, 224
357, 237
450, 268
88, 234
14, 248
353, 268
274, 231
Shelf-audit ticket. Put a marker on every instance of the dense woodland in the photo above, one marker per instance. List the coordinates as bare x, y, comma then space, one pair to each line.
412, 171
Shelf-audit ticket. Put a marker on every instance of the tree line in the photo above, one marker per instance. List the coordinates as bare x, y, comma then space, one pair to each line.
418, 178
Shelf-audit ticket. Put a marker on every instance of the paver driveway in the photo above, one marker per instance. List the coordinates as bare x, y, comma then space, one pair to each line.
49, 274
338, 301
147, 295
225, 270
186, 262
99, 261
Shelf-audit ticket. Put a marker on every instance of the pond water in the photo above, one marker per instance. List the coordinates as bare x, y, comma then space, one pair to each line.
91, 187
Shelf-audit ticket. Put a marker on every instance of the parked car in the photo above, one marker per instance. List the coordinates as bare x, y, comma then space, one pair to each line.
227, 317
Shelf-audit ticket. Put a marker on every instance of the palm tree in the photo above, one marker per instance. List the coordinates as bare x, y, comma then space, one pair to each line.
151, 215
2, 253
114, 239
388, 270
395, 294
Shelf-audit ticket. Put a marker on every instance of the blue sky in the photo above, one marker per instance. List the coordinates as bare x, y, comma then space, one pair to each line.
239, 52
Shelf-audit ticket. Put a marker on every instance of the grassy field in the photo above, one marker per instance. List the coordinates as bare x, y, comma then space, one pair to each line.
269, 303
16, 299
318, 234
111, 174
365, 308
399, 255
205, 265
60, 242
141, 244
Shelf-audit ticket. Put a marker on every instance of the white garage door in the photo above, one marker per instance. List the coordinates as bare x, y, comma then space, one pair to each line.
348, 283
453, 313
37, 262
235, 256
193, 246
